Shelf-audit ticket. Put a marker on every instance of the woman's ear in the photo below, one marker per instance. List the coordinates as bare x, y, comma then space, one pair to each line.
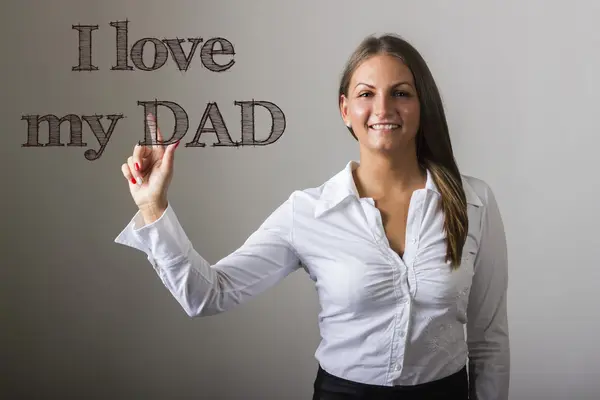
344, 110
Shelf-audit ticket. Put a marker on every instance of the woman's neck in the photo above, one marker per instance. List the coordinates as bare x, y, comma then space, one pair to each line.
379, 176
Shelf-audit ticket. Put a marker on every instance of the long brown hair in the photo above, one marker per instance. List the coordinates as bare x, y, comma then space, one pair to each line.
434, 149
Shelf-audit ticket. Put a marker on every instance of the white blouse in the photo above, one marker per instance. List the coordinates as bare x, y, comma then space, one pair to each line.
384, 319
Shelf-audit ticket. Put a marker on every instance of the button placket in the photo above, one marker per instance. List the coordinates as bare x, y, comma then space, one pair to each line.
415, 229
373, 217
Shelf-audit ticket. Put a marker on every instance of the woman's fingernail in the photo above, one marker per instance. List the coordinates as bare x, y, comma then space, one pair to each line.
133, 180
177, 144
140, 180
137, 166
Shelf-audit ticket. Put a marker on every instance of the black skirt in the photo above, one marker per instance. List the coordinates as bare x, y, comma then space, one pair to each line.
329, 387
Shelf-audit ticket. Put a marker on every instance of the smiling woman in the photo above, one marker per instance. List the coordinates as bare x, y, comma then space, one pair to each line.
382, 104
403, 249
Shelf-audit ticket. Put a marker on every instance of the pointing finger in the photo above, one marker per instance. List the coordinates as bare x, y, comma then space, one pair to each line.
154, 130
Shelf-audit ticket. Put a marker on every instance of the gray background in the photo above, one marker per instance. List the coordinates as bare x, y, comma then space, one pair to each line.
83, 317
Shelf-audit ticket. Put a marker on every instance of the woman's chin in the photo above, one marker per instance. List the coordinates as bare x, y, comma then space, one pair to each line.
385, 141
381, 143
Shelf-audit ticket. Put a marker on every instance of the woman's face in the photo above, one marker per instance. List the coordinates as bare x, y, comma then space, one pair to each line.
382, 105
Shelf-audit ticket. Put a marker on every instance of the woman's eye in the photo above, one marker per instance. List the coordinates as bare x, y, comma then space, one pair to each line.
396, 94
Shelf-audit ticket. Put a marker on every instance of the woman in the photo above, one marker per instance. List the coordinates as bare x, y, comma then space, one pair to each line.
403, 249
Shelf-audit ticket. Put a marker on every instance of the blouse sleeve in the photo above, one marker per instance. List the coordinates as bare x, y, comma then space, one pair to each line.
263, 260
487, 326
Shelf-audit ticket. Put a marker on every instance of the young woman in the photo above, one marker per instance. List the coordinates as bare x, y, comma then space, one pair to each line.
403, 249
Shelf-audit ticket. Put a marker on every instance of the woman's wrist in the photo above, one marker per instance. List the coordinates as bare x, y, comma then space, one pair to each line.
151, 212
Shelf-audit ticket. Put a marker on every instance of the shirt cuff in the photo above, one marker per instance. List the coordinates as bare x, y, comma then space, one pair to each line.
164, 240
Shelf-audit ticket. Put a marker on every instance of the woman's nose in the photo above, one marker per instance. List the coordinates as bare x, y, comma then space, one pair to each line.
383, 106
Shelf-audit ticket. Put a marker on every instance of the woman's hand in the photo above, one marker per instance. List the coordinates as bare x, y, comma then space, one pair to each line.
149, 171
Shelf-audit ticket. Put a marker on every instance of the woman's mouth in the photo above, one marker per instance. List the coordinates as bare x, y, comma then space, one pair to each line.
384, 127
